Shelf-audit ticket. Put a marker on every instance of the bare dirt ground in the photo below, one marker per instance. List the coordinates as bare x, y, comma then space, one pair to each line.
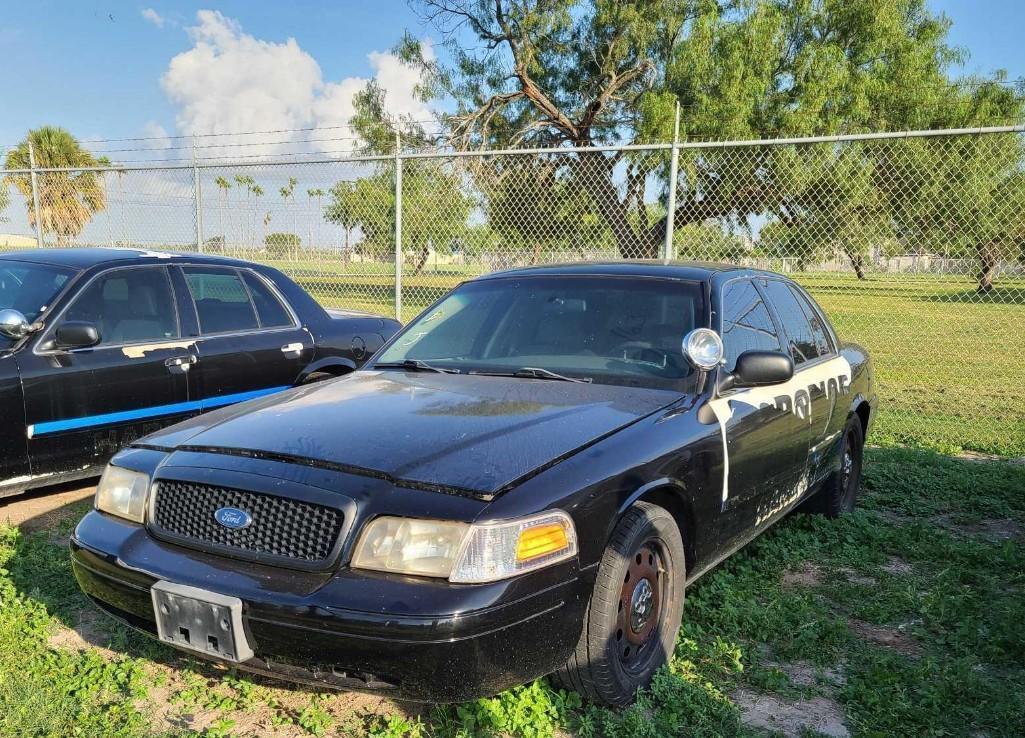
46, 507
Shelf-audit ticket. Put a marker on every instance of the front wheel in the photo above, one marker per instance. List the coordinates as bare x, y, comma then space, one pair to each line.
635, 610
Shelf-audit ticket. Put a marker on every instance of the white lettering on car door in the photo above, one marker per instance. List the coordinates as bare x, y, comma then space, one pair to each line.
832, 377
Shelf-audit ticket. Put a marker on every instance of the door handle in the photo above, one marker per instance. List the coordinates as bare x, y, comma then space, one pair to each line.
180, 363
292, 350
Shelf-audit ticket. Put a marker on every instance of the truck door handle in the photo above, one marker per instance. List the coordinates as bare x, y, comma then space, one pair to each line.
292, 350
180, 364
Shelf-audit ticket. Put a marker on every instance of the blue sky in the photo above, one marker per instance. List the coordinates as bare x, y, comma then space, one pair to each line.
96, 67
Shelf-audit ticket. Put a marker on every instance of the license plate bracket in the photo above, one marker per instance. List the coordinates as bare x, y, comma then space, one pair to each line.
200, 620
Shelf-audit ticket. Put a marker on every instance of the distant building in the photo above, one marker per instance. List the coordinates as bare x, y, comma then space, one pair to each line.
15, 241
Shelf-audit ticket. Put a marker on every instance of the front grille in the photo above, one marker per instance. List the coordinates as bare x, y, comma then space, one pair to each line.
282, 529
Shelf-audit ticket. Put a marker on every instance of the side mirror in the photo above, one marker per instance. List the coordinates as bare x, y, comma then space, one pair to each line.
13, 324
760, 368
76, 334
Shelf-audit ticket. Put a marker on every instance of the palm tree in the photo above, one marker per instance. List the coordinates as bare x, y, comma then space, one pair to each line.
287, 192
247, 182
223, 185
257, 191
67, 199
315, 193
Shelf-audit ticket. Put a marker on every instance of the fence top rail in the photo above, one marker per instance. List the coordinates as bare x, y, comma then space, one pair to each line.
452, 154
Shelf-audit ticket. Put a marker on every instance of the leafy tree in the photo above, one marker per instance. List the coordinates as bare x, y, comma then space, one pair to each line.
68, 199
366, 204
434, 204
282, 244
586, 74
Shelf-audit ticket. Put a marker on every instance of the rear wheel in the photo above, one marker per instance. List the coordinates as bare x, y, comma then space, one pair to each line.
635, 609
839, 493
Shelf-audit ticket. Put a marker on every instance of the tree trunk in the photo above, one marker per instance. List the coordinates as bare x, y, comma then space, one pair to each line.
421, 259
599, 182
989, 254
857, 261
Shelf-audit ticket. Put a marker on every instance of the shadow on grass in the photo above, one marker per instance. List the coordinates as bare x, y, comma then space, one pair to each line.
996, 296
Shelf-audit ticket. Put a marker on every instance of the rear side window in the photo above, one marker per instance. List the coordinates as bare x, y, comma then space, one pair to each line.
222, 300
746, 323
818, 328
271, 312
128, 306
794, 315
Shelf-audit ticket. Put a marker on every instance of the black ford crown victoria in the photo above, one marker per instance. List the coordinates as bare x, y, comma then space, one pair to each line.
523, 481
101, 346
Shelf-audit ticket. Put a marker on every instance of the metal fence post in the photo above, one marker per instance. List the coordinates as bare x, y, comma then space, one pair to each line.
667, 248
398, 227
197, 193
35, 194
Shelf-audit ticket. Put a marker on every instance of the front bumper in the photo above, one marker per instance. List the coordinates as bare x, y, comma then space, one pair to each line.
412, 638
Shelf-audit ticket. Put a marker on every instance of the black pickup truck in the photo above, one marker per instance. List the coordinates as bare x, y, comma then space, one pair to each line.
101, 346
523, 481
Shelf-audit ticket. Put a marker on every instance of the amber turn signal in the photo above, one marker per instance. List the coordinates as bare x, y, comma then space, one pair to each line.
540, 541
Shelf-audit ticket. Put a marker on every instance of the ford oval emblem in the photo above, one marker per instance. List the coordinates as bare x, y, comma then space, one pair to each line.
232, 517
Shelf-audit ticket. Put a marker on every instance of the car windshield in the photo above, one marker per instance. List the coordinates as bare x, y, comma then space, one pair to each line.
30, 288
610, 330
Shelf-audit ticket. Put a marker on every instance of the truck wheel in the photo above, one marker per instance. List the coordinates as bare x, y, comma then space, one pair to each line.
635, 610
839, 492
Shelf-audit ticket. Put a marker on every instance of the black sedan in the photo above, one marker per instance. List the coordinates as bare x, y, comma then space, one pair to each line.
101, 346
523, 481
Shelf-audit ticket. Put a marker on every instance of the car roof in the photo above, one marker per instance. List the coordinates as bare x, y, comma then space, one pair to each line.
699, 271
88, 257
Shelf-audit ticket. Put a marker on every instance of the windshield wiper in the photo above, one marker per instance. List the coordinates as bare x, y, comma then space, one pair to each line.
534, 372
414, 365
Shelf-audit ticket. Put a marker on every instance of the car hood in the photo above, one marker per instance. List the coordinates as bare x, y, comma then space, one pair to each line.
453, 433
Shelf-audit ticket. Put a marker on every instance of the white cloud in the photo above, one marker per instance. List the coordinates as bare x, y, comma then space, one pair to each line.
152, 16
161, 138
230, 81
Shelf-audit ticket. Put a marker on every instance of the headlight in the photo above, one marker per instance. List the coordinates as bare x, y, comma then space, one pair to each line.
122, 492
466, 553
409, 546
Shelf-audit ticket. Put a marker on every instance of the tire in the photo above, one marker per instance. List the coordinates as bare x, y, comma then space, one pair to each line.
642, 572
839, 493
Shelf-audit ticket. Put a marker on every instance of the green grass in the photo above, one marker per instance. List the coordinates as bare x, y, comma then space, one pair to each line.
933, 560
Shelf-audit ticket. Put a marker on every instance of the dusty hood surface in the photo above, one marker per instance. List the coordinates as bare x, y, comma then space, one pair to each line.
470, 434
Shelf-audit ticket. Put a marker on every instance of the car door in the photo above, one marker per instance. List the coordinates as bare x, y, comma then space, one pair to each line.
83, 404
249, 341
816, 361
13, 449
766, 440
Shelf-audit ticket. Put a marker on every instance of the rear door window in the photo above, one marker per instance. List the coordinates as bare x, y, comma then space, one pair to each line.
818, 328
793, 314
269, 310
222, 301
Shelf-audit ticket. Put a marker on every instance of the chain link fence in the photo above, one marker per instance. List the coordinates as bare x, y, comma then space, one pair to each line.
914, 243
